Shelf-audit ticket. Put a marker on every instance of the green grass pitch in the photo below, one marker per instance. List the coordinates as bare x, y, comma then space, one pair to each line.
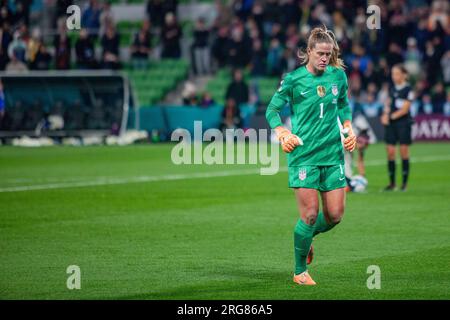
135, 236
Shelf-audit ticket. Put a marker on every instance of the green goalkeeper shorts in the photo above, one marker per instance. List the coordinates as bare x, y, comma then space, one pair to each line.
322, 178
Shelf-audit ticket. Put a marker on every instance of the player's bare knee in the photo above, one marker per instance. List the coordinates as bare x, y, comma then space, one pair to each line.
310, 216
335, 219
311, 219
336, 215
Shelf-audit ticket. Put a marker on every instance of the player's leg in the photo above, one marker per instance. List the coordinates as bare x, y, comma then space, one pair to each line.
333, 203
305, 182
390, 137
332, 187
361, 166
390, 150
405, 141
348, 160
308, 205
404, 153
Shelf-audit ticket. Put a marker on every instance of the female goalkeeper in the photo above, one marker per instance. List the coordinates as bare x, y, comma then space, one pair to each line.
317, 94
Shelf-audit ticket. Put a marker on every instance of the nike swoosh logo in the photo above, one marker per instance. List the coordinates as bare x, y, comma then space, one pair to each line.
342, 178
305, 92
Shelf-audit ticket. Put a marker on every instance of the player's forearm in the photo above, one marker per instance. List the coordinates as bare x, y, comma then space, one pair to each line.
347, 124
345, 114
400, 113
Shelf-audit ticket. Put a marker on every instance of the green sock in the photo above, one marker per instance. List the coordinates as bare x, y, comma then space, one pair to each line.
321, 224
303, 234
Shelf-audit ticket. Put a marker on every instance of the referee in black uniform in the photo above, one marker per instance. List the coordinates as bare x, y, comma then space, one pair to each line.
397, 123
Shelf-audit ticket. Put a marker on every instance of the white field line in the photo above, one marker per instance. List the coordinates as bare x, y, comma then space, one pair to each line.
171, 177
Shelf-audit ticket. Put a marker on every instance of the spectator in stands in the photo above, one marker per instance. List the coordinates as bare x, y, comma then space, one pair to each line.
291, 13
426, 106
189, 94
22, 12
371, 108
438, 14
258, 62
62, 46
171, 34
433, 55
272, 14
277, 33
240, 48
289, 61
258, 16
155, 12
412, 58
381, 73
42, 59
15, 65
253, 29
292, 37
90, 19
110, 45
231, 115
221, 46
274, 56
5, 14
207, 100
383, 93
33, 46
170, 6
438, 98
359, 54
85, 51
26, 6
5, 40
200, 48
237, 90
445, 64
242, 8
106, 17
17, 48
394, 55
141, 46
447, 105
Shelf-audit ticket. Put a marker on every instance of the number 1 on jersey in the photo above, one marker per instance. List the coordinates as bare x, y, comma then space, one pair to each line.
321, 110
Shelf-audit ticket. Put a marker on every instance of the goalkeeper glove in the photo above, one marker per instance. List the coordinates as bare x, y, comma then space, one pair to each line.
288, 140
350, 138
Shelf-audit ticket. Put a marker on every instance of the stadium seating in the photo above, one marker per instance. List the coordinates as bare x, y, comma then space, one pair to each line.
150, 86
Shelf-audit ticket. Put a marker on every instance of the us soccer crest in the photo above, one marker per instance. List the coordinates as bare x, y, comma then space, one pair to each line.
302, 174
334, 89
321, 91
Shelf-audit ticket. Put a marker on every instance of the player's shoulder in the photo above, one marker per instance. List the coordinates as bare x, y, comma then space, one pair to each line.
337, 72
296, 74
407, 88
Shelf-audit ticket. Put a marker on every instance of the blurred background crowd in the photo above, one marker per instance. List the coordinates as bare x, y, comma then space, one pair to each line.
259, 38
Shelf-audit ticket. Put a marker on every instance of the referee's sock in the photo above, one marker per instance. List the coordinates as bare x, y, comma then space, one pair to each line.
391, 169
303, 234
405, 171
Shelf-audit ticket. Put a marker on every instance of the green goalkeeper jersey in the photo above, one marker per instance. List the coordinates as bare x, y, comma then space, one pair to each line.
317, 103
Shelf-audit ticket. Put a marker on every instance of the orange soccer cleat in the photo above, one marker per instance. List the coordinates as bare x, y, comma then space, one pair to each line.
304, 279
310, 257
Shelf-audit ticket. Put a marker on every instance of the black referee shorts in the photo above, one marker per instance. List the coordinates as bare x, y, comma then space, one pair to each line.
398, 132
